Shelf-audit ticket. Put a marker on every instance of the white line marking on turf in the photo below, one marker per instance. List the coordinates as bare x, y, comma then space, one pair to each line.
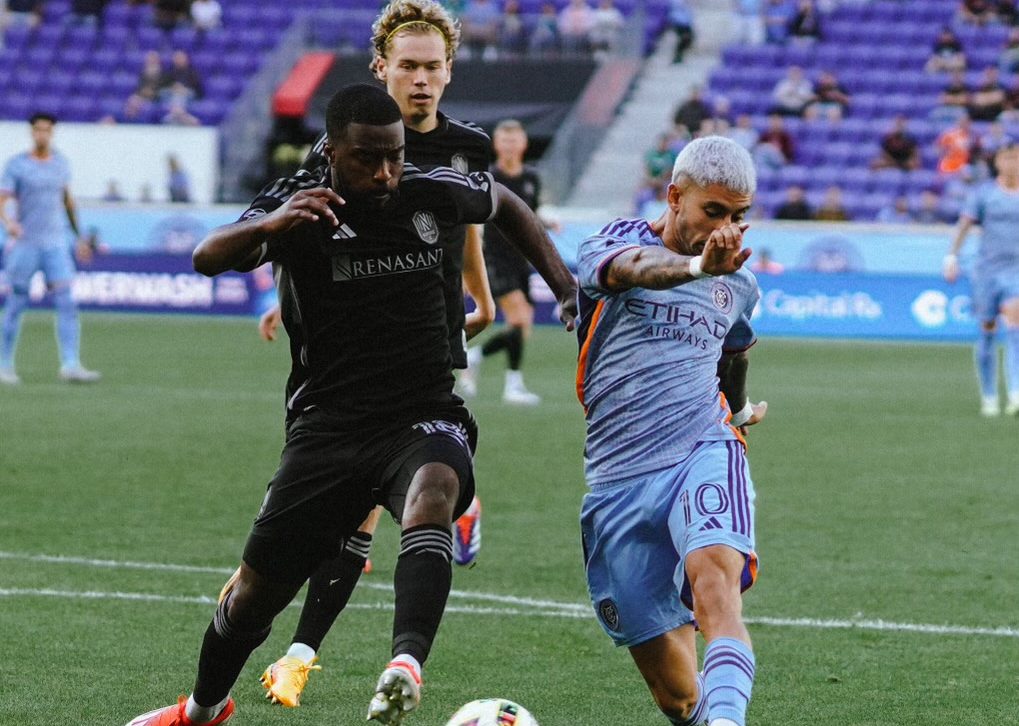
546, 608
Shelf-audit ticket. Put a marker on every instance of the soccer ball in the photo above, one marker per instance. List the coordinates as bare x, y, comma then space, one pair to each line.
492, 712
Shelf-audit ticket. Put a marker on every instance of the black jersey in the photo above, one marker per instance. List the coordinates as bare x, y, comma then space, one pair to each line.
466, 148
500, 252
364, 303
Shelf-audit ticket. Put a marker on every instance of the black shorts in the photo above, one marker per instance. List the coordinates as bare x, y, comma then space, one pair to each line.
329, 480
507, 273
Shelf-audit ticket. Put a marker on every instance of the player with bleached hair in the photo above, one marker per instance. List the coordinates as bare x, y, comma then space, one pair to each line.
668, 523
995, 276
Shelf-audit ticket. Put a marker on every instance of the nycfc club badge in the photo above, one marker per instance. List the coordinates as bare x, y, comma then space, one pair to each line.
427, 228
609, 614
721, 296
459, 162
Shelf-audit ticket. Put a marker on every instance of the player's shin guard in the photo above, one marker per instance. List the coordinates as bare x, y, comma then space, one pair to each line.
986, 354
1012, 362
330, 589
699, 714
68, 328
728, 679
422, 581
224, 652
13, 310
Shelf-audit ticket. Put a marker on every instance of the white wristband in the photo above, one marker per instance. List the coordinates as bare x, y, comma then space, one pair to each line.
950, 259
695, 268
744, 415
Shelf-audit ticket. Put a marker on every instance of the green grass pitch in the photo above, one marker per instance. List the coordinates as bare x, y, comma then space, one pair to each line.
882, 496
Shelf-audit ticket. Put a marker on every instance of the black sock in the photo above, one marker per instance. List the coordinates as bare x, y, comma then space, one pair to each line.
329, 590
225, 650
512, 341
422, 581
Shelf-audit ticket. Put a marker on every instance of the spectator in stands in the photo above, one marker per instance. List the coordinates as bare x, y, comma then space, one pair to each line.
831, 101
23, 12
605, 29
748, 18
659, 159
955, 144
479, 27
976, 12
512, 31
831, 208
168, 14
954, 99
777, 16
764, 264
680, 20
931, 210
177, 113
793, 93
775, 147
1007, 12
805, 26
88, 12
1008, 60
575, 22
795, 205
987, 100
545, 38
178, 185
150, 82
206, 15
899, 149
895, 213
181, 78
947, 54
744, 133
691, 113
112, 193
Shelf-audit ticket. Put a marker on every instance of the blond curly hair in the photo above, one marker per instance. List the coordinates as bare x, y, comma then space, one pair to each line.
417, 16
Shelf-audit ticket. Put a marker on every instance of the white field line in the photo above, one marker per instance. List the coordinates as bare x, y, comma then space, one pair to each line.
526, 606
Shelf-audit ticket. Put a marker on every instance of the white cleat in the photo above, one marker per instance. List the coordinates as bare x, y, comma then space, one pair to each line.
79, 374
468, 378
1012, 407
989, 407
520, 396
8, 377
398, 693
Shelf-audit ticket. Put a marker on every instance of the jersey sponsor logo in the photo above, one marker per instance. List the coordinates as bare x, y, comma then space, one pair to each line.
426, 226
348, 267
678, 323
459, 162
609, 614
721, 296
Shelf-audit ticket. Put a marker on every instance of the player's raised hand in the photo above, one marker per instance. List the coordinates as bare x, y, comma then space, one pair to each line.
307, 205
724, 253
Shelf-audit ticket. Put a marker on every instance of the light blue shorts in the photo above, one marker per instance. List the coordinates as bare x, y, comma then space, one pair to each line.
23, 260
990, 291
638, 532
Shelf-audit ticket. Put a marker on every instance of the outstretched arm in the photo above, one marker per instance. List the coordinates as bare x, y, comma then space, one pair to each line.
526, 232
659, 268
236, 246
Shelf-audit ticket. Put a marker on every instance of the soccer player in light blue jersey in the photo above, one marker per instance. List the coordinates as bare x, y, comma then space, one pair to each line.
37, 239
668, 523
995, 276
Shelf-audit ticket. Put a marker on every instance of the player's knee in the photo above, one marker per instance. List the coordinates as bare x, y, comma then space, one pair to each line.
433, 494
673, 700
253, 600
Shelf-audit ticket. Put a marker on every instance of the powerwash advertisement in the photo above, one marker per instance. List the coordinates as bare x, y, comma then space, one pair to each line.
827, 280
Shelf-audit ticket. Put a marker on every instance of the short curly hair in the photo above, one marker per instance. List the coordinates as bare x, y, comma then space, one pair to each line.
418, 16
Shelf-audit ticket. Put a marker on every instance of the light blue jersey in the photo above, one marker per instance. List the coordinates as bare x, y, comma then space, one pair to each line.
647, 368
38, 187
997, 212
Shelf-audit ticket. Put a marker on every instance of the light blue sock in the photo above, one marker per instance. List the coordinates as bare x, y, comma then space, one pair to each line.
987, 364
68, 329
728, 679
13, 310
1012, 360
700, 711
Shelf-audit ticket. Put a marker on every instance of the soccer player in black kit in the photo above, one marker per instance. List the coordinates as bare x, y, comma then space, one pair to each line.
509, 272
376, 420
414, 43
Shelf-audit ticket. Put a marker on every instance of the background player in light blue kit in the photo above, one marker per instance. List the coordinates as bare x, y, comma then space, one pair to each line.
38, 182
995, 276
668, 522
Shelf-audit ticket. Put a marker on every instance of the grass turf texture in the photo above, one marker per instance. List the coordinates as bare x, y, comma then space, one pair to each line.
881, 495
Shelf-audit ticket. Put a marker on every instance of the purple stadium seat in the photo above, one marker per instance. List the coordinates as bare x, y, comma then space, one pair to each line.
39, 56
48, 35
183, 38
28, 80
81, 108
224, 86
106, 59
81, 36
60, 81
208, 111
17, 36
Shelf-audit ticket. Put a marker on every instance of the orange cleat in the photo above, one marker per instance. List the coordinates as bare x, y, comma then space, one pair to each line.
175, 716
